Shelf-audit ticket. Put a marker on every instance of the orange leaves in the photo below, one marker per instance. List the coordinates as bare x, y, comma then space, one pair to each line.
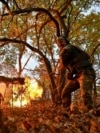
44, 118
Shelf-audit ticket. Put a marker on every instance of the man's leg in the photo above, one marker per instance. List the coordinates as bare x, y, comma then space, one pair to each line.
71, 86
86, 84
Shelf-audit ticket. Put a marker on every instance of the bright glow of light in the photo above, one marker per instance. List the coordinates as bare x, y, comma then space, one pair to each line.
34, 92
19, 103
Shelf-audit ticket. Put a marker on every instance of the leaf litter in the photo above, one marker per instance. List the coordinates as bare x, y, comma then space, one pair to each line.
43, 117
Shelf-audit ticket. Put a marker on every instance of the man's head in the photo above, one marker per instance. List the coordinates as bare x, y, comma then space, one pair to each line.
61, 41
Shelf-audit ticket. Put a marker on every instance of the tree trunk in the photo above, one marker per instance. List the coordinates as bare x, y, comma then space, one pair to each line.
52, 80
61, 80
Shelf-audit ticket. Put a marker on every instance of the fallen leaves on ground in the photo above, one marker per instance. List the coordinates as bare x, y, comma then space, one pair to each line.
43, 117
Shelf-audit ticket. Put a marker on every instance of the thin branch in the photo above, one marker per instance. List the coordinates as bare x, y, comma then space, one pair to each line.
95, 49
27, 61
7, 40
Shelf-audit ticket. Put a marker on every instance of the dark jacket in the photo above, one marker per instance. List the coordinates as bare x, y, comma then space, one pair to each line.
74, 59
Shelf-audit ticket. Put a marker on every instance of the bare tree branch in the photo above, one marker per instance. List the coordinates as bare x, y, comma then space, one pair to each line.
12, 80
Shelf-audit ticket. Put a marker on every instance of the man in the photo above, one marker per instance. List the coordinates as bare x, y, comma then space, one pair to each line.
81, 74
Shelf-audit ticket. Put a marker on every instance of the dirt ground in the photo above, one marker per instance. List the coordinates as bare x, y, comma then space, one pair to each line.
43, 117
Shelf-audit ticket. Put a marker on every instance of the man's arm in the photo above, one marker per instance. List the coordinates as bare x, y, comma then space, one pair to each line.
65, 55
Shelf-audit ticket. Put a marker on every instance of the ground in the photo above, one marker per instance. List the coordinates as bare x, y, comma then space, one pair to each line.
44, 117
